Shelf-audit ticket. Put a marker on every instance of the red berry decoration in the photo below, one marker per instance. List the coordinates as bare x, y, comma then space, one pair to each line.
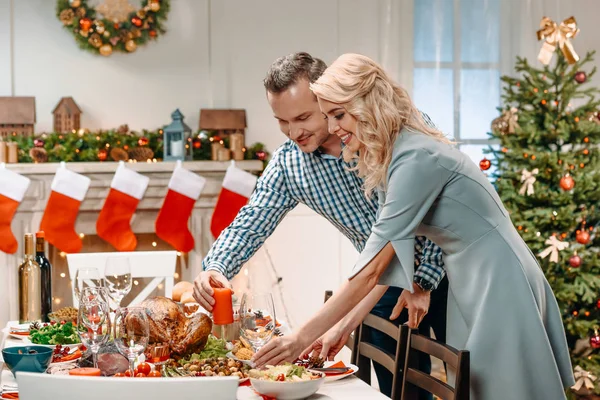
598, 304
152, 33
595, 340
85, 24
485, 164
143, 141
580, 77
583, 237
575, 261
261, 155
567, 182
137, 21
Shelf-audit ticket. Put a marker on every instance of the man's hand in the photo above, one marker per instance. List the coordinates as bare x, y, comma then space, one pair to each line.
203, 287
417, 304
328, 345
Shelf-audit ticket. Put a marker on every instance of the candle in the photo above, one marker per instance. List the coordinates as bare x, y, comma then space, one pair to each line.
177, 148
3, 154
236, 141
12, 153
237, 154
224, 155
214, 150
223, 308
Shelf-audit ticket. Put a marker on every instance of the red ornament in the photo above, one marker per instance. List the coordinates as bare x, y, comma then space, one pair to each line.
116, 25
485, 164
583, 237
567, 182
102, 154
85, 24
595, 340
137, 21
143, 141
598, 304
261, 155
152, 33
575, 261
38, 142
580, 77
197, 143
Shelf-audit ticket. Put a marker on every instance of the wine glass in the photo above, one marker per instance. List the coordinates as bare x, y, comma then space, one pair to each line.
117, 278
86, 277
257, 319
93, 321
132, 333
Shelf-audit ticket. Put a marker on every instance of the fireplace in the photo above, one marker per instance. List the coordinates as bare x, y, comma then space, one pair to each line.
30, 212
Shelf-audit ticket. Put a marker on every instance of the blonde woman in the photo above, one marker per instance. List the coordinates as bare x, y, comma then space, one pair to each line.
500, 306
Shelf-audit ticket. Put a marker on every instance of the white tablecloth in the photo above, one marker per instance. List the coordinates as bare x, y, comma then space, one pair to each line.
349, 388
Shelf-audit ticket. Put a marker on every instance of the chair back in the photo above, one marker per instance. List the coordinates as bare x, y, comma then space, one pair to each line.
392, 362
352, 342
455, 360
159, 265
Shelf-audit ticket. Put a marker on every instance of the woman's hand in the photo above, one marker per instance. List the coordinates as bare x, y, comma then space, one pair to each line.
278, 351
328, 345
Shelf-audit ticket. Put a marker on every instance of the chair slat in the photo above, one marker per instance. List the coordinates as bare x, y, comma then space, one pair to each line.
446, 353
382, 325
429, 383
377, 355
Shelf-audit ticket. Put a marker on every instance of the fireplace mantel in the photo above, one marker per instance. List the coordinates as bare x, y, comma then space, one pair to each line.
30, 211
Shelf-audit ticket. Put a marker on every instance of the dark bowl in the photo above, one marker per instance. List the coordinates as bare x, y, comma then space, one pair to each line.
26, 362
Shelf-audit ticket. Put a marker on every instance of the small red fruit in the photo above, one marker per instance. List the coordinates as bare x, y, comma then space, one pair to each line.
144, 368
154, 374
119, 375
140, 375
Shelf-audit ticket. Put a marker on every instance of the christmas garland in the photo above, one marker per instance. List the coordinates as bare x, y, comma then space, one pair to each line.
122, 29
116, 145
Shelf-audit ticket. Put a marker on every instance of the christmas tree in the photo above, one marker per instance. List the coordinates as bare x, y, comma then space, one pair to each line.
548, 176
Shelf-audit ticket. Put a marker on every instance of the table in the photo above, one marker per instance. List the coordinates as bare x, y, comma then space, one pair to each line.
346, 389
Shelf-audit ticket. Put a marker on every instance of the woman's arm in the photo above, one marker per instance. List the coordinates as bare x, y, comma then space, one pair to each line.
352, 292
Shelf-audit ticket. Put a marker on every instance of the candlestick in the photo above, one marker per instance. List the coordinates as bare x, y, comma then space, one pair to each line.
236, 141
214, 150
224, 154
12, 153
237, 154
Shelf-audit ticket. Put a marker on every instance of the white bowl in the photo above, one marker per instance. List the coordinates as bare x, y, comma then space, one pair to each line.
287, 390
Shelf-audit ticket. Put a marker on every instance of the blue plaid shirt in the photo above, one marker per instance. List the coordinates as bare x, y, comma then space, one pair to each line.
324, 184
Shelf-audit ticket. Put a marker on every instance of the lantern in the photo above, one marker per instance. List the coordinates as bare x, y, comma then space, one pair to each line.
175, 140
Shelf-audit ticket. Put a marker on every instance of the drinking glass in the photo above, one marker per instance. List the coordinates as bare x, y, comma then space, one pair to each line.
93, 321
86, 277
117, 278
257, 318
132, 333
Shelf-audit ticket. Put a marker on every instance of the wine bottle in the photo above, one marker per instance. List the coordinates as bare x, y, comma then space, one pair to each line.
46, 275
30, 288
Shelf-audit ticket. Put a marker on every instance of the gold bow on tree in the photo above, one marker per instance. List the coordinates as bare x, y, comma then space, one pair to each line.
554, 246
507, 122
583, 377
557, 35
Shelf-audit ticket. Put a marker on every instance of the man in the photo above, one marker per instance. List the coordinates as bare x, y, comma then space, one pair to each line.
309, 169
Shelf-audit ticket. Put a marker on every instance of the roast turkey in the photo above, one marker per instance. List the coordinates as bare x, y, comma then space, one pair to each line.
168, 324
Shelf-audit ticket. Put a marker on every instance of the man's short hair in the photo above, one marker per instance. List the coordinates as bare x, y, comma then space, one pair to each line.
287, 71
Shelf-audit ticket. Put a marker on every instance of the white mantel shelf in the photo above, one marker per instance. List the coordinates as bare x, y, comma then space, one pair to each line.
111, 167
31, 210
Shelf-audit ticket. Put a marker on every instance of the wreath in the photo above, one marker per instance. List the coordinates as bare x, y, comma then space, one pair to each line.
121, 28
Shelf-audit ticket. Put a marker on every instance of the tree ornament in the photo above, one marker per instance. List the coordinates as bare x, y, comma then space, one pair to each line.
484, 164
102, 154
106, 50
119, 154
595, 340
152, 33
38, 155
575, 261
130, 46
507, 122
261, 155
583, 237
99, 27
66, 16
154, 5
598, 304
38, 142
197, 143
74, 3
95, 40
580, 76
554, 246
137, 21
528, 179
143, 141
85, 24
567, 182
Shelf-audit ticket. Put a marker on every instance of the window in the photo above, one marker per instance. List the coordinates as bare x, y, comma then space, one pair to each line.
456, 67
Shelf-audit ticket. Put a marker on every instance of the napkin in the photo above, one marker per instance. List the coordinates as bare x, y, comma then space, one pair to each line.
7, 381
339, 364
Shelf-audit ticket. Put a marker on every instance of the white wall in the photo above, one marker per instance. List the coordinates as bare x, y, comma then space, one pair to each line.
215, 54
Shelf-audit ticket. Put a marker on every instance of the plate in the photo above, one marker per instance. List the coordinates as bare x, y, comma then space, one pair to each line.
51, 346
337, 377
247, 362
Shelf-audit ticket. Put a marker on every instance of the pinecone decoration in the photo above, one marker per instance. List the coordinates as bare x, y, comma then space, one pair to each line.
118, 154
38, 154
141, 153
123, 129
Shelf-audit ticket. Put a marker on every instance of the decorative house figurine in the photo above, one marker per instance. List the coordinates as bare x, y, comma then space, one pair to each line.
67, 116
17, 116
231, 123
177, 139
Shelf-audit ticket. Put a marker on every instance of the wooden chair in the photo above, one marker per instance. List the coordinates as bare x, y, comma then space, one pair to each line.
414, 379
352, 341
392, 362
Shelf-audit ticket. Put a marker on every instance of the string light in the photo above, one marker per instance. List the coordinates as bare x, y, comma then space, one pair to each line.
57, 301
160, 286
154, 244
82, 235
63, 254
533, 157
576, 119
575, 313
535, 90
176, 275
62, 275
544, 102
178, 254
586, 152
136, 283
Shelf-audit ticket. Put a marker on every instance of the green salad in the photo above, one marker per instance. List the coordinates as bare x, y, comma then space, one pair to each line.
214, 348
54, 334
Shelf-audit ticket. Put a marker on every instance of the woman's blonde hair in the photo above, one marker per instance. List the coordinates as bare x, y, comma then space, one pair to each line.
381, 107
